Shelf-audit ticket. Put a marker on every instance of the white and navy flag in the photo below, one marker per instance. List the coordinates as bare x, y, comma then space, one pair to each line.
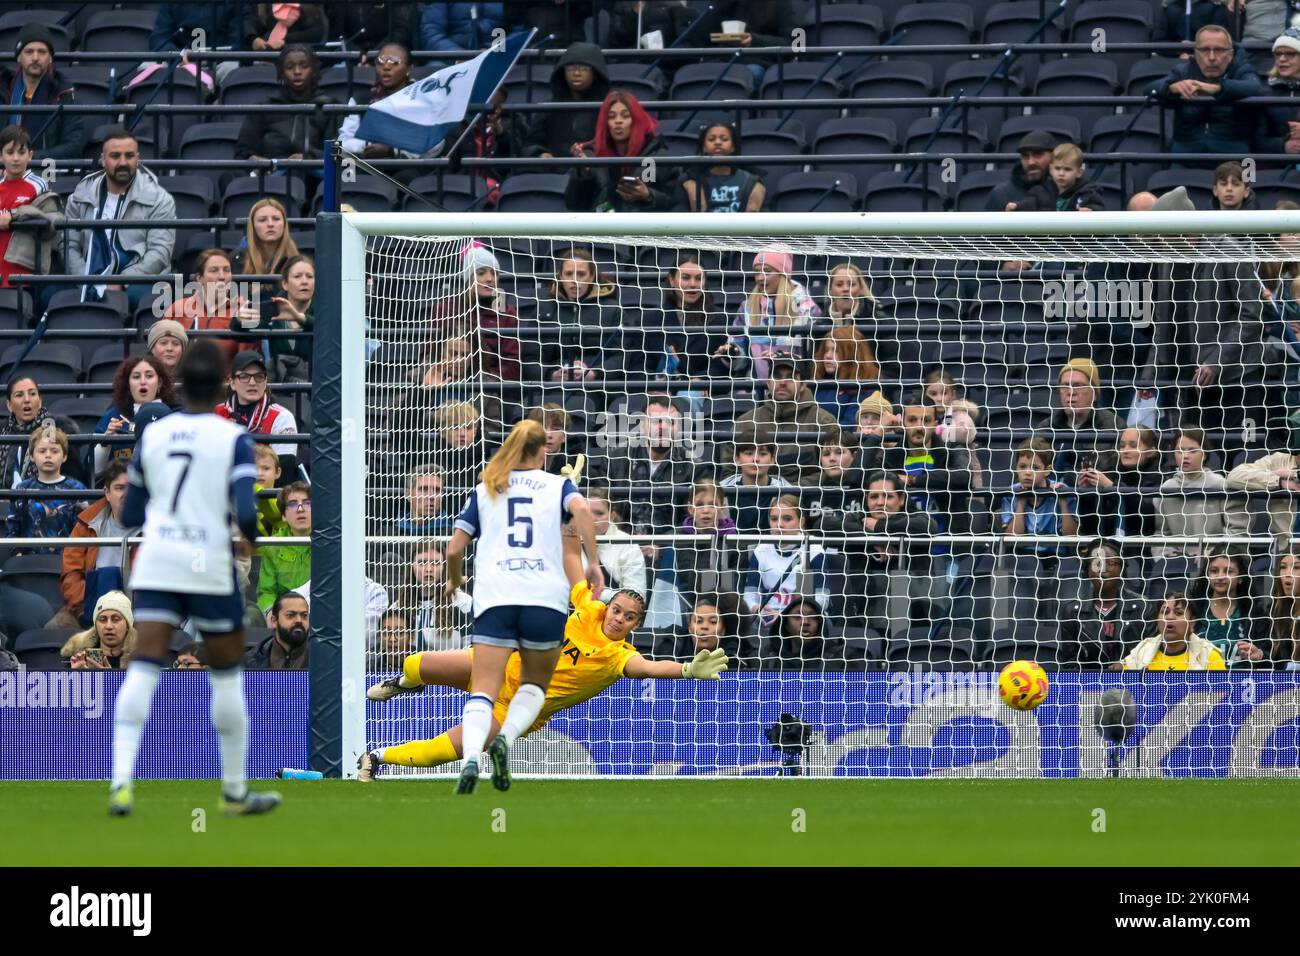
419, 117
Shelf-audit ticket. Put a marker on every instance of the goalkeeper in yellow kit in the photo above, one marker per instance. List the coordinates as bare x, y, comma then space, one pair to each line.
594, 656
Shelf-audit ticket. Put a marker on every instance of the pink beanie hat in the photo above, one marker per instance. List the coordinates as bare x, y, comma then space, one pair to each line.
782, 262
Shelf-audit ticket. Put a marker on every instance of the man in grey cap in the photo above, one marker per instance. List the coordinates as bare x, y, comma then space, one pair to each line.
1035, 151
60, 135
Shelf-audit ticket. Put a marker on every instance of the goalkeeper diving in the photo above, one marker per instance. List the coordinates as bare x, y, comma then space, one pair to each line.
594, 656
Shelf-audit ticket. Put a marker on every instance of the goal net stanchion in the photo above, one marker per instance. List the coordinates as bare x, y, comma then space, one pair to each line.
874, 457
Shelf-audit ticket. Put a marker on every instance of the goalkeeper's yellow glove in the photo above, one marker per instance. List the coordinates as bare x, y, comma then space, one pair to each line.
707, 665
574, 471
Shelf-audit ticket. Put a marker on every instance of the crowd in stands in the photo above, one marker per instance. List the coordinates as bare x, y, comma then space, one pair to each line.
850, 436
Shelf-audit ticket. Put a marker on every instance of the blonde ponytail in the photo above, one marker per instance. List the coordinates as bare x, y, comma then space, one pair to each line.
525, 440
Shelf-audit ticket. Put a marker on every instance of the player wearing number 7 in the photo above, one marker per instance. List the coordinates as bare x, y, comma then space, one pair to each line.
190, 473
516, 516
594, 656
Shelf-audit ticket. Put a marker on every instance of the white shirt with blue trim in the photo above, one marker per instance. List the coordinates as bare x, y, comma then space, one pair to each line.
519, 554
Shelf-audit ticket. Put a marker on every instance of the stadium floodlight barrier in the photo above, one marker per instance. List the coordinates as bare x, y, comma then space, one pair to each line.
413, 267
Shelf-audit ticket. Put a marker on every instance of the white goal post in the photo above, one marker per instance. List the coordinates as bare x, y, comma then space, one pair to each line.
956, 291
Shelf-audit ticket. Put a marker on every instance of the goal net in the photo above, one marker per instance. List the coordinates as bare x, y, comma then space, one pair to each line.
873, 458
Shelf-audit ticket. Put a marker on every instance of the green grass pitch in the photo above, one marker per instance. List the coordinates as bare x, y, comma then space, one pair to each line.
663, 822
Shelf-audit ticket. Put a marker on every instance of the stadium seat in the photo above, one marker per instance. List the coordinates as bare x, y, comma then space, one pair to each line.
1111, 134
1199, 183
49, 363
250, 85
892, 191
1145, 75
1272, 186
815, 192
893, 79
243, 192
949, 650
699, 81
1015, 22
528, 83
975, 186
18, 304
970, 76
103, 364
844, 25
855, 134
800, 81
117, 31
366, 194
932, 24
533, 192
334, 82
1123, 22
1065, 128
91, 83
194, 195
972, 136
114, 299
1080, 76
457, 192
39, 650
36, 574
633, 78
86, 412
12, 23
766, 136
85, 319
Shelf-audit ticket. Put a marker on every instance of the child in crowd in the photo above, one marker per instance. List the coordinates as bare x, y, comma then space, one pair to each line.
45, 517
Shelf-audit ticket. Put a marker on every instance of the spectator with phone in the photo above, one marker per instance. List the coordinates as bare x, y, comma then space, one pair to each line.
1078, 427
109, 642
139, 380
216, 306
1036, 504
292, 356
623, 129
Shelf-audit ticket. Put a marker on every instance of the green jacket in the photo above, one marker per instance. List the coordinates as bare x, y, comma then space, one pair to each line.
284, 567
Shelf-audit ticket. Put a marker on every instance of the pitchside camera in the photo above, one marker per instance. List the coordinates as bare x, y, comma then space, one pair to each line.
791, 737
1115, 719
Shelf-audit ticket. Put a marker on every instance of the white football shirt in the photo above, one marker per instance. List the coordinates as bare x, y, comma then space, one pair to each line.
518, 554
188, 463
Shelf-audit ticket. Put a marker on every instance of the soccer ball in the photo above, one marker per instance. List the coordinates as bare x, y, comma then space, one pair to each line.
1022, 685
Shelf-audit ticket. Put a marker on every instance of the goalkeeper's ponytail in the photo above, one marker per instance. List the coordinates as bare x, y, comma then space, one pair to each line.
525, 440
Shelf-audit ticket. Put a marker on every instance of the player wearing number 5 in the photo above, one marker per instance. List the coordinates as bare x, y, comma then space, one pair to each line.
190, 473
516, 516
595, 655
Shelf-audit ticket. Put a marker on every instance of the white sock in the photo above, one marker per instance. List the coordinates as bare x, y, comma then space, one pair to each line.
130, 714
475, 722
524, 708
230, 718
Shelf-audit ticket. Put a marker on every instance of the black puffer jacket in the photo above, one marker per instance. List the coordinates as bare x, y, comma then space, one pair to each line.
277, 135
595, 188
60, 136
556, 131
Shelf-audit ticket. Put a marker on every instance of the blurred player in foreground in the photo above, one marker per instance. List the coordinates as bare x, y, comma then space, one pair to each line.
594, 656
190, 472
